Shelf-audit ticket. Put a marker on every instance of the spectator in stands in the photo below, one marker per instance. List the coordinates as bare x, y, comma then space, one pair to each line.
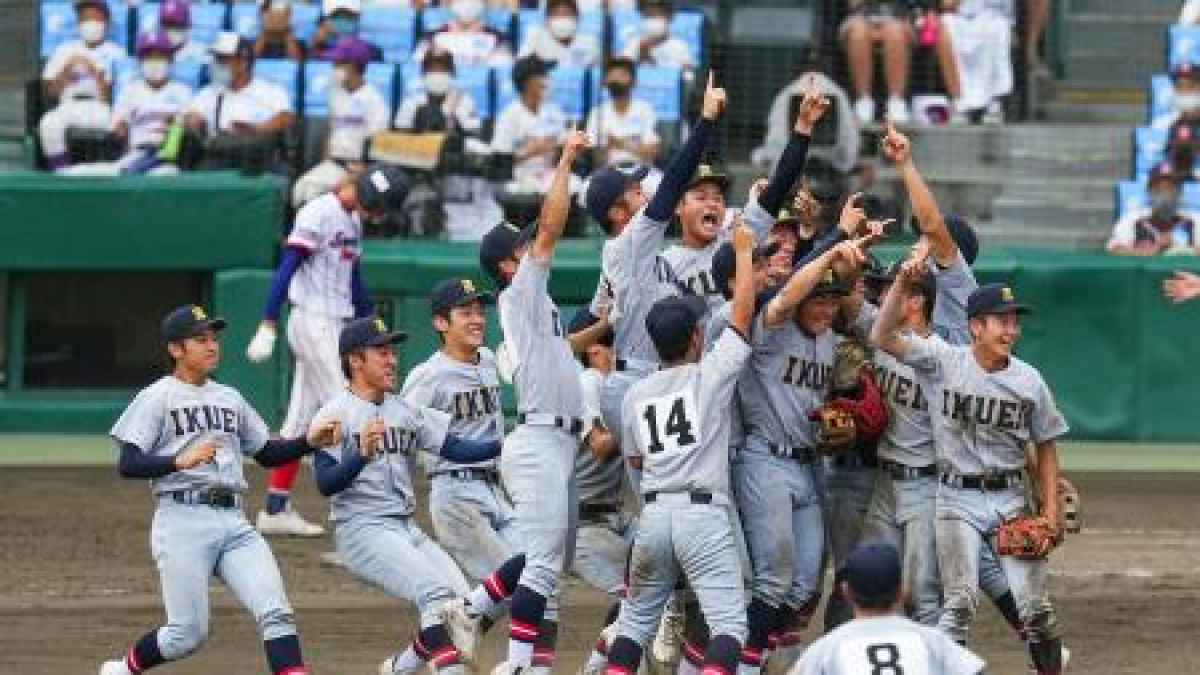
836, 137
236, 102
655, 45
531, 128
1183, 124
468, 38
175, 16
276, 40
980, 33
79, 76
559, 41
340, 20
357, 111
1036, 18
1161, 228
607, 5
623, 128
884, 22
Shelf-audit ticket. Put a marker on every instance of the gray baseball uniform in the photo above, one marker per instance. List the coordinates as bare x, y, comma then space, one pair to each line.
887, 645
675, 421
373, 525
982, 422
472, 517
192, 542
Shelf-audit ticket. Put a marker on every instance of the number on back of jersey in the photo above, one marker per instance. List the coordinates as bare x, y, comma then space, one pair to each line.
669, 424
901, 654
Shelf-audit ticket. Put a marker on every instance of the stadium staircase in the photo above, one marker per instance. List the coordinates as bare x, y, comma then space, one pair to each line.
16, 60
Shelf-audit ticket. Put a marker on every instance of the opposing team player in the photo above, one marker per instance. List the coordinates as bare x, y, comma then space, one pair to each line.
367, 474
321, 277
880, 639
188, 434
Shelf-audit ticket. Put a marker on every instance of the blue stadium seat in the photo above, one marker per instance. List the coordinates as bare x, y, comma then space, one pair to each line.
1132, 195
687, 25
245, 20
660, 86
1162, 97
58, 24
207, 20
126, 71
392, 29
316, 85
1183, 45
569, 88
474, 81
282, 72
590, 23
496, 18
1149, 148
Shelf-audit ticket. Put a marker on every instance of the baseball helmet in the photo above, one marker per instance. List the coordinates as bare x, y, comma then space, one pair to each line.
155, 41
175, 13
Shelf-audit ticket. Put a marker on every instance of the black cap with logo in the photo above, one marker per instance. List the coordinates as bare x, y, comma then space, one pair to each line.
500, 244
994, 299
724, 263
368, 331
453, 293
672, 320
707, 173
384, 187
829, 284
606, 186
188, 322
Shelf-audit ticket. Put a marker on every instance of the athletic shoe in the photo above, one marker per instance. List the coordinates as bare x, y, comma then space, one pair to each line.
1066, 661
464, 630
864, 110
668, 642
287, 523
114, 668
897, 111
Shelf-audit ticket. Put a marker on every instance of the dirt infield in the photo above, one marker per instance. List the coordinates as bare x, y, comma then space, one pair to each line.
77, 584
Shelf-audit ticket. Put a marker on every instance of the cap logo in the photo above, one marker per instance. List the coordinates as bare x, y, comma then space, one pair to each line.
380, 326
468, 286
380, 181
705, 170
1006, 294
829, 277
198, 313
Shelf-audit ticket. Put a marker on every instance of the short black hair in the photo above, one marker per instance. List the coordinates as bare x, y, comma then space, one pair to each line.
570, 4
881, 602
621, 63
526, 69
676, 352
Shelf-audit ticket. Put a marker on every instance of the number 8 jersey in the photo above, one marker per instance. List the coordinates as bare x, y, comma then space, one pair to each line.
678, 420
887, 645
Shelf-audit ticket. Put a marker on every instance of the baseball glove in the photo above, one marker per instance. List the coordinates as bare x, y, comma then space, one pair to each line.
849, 357
837, 429
1026, 537
844, 422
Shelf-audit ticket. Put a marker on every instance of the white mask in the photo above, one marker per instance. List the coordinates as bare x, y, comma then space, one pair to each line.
467, 10
562, 27
177, 36
1188, 102
155, 70
92, 32
220, 74
654, 26
438, 83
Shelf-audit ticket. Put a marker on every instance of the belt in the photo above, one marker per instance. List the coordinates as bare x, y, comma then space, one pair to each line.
572, 425
899, 471
696, 497
804, 455
220, 498
855, 461
470, 473
586, 510
995, 481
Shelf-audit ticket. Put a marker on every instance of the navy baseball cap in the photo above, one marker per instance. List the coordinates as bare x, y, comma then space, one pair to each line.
500, 244
927, 283
960, 231
673, 319
368, 331
724, 262
187, 322
606, 186
873, 571
583, 320
707, 173
453, 293
994, 299
829, 284
383, 187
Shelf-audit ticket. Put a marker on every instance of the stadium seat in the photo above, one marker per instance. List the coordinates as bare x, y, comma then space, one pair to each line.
245, 20
316, 85
282, 72
392, 29
660, 86
1183, 45
687, 25
474, 81
58, 24
569, 88
207, 20
590, 23
1162, 97
126, 71
496, 18
1149, 148
1132, 195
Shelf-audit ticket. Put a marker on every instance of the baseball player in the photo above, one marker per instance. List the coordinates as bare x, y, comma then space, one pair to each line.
676, 436
472, 517
539, 453
367, 475
188, 434
321, 277
880, 639
986, 405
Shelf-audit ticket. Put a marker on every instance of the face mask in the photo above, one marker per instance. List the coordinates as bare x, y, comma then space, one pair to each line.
344, 25
1189, 101
1163, 204
177, 36
467, 10
220, 74
654, 26
92, 32
437, 83
619, 89
562, 27
155, 70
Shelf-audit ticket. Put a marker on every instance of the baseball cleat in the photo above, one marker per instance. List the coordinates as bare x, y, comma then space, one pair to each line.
1066, 661
114, 668
287, 523
668, 642
464, 630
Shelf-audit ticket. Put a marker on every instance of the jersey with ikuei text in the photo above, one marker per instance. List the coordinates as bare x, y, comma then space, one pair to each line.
887, 645
677, 420
171, 415
638, 276
384, 487
981, 420
332, 236
468, 392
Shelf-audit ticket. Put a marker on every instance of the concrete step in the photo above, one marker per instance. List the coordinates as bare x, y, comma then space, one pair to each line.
1092, 113
1127, 7
1100, 68
1041, 151
998, 234
1082, 218
1139, 32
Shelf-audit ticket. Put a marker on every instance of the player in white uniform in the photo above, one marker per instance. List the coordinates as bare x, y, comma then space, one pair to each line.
879, 639
320, 276
357, 111
79, 75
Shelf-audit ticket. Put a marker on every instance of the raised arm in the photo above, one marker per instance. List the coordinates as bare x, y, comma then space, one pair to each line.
804, 279
557, 203
885, 334
683, 165
742, 312
795, 154
898, 148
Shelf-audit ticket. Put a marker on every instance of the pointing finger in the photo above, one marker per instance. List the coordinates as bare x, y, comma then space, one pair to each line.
711, 82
